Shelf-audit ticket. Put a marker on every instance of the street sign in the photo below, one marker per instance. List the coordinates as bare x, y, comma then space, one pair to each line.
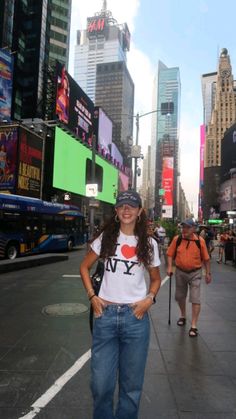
161, 192
91, 190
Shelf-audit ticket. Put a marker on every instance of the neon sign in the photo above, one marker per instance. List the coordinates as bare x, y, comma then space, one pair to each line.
96, 25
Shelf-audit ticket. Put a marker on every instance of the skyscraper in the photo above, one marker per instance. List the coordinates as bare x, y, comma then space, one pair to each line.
40, 35
223, 116
115, 94
208, 95
165, 130
6, 23
103, 41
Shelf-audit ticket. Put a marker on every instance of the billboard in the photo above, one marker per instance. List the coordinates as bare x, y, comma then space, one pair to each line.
116, 155
123, 182
202, 145
6, 70
228, 195
103, 130
8, 158
30, 164
73, 107
201, 174
72, 169
167, 185
95, 25
228, 153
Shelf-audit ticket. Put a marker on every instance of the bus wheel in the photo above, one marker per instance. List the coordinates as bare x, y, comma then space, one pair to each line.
70, 244
12, 251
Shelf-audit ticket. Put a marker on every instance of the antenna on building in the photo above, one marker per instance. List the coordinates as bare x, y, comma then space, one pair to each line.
104, 7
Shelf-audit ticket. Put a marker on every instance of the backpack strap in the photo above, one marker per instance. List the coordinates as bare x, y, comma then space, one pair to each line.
179, 240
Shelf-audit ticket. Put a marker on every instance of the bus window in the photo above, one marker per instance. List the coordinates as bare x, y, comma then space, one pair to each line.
59, 227
10, 223
47, 224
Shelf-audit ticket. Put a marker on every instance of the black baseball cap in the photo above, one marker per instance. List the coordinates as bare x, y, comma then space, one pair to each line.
131, 198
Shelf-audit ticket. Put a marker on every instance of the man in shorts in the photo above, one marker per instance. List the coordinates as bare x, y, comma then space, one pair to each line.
189, 252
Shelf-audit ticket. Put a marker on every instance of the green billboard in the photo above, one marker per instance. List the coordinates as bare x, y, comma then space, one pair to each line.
72, 168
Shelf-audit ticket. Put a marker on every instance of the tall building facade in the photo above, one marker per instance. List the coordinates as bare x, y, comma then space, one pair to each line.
103, 41
6, 23
40, 35
59, 13
165, 131
223, 116
208, 95
115, 94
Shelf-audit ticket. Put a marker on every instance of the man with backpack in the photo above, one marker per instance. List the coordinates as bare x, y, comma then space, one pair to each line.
189, 252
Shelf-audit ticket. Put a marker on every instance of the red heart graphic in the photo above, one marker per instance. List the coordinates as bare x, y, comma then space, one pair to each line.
128, 251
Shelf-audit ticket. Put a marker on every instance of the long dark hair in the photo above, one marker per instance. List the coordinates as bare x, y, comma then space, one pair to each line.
111, 230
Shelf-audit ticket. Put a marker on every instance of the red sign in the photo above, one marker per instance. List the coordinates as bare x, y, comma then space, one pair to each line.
167, 179
96, 25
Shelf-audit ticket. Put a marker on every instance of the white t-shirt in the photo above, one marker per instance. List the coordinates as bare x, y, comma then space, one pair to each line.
123, 281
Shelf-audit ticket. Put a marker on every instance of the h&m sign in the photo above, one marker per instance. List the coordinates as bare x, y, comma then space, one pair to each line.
95, 25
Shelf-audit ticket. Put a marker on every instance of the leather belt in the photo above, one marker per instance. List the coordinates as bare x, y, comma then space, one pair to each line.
189, 272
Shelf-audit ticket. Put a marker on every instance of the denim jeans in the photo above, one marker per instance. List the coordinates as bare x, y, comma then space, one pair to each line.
120, 347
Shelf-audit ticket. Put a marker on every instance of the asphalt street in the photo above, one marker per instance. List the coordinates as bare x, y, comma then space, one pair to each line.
45, 358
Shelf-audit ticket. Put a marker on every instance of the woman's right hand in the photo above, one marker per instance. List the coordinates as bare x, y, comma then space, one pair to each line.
98, 306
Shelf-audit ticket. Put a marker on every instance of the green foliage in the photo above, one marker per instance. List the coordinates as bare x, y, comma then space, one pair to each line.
170, 227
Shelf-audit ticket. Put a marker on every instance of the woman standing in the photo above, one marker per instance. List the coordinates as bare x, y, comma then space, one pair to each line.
121, 327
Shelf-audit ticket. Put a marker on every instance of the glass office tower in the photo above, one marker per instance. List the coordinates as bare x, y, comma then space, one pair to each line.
165, 131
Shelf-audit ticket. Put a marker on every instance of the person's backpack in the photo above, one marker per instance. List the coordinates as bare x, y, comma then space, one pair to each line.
179, 240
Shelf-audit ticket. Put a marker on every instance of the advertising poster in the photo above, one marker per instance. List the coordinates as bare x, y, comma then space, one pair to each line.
123, 182
167, 185
30, 164
73, 107
6, 68
72, 169
103, 130
8, 158
228, 195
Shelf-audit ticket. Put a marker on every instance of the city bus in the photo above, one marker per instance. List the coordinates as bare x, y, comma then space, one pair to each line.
30, 226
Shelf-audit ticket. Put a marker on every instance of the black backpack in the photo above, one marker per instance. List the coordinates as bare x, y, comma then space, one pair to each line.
179, 240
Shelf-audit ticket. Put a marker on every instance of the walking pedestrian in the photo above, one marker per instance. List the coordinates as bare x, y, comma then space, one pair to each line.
189, 252
121, 324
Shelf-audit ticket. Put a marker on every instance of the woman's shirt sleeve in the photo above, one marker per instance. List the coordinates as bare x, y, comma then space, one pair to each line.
96, 245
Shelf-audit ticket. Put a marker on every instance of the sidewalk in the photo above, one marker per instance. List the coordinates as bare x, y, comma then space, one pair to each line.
194, 378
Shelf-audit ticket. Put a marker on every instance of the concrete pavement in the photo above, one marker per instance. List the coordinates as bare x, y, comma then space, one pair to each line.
186, 378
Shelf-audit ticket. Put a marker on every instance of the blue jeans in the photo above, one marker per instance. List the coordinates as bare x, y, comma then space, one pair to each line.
120, 345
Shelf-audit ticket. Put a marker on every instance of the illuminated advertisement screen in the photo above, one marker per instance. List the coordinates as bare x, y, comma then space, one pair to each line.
95, 25
103, 130
168, 179
72, 169
202, 145
228, 195
123, 182
116, 155
30, 164
228, 152
6, 69
73, 106
8, 158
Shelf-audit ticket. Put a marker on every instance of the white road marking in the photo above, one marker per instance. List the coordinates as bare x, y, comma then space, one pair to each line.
71, 276
57, 386
61, 381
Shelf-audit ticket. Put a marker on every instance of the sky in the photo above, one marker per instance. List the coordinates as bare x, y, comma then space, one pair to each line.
188, 34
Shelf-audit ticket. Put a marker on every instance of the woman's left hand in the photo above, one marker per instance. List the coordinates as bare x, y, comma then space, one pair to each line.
141, 307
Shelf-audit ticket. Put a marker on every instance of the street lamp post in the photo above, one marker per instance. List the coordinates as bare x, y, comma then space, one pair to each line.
165, 110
